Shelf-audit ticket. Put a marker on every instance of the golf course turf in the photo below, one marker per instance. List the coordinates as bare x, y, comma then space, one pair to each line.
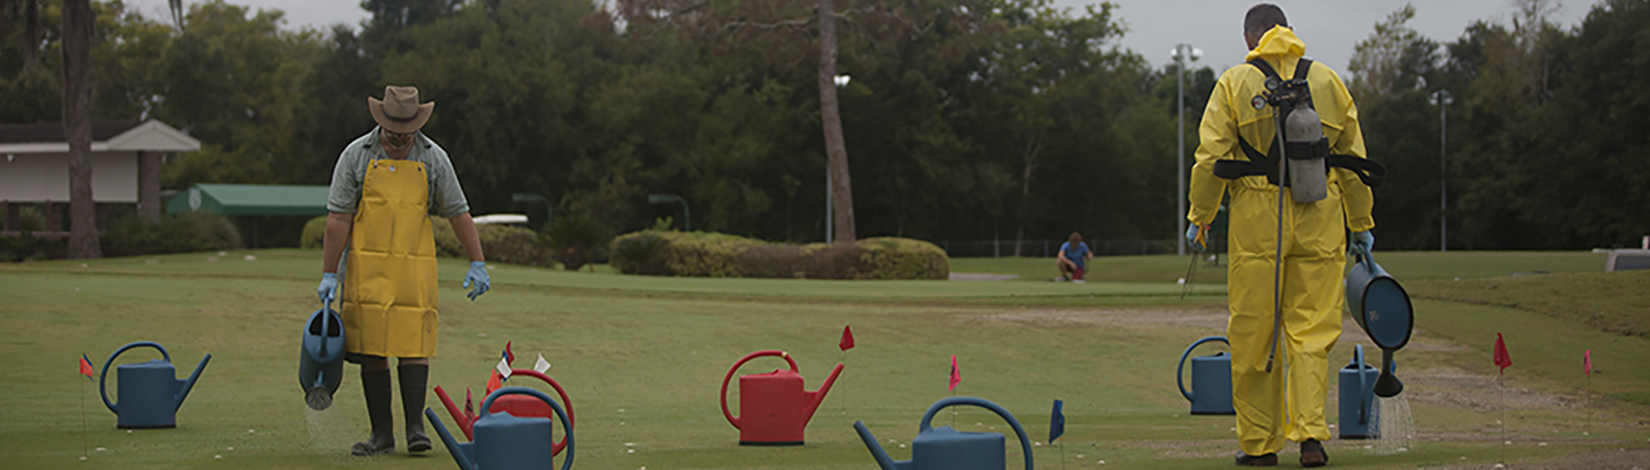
642, 359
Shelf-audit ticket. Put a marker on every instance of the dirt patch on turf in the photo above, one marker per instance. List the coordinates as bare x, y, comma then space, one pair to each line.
1211, 317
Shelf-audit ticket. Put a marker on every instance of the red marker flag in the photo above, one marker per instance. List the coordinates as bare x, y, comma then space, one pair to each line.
86, 367
1501, 357
956, 374
469, 403
1586, 362
509, 357
494, 382
847, 341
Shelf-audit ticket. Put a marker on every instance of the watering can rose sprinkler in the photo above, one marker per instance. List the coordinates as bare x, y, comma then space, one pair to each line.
774, 407
944, 448
518, 405
149, 392
506, 442
1382, 308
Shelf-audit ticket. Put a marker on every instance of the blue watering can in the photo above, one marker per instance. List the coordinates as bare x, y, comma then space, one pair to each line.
1211, 392
505, 442
1382, 309
150, 392
1358, 407
321, 361
944, 448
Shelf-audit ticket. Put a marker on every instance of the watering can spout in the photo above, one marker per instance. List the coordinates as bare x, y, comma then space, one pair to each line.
883, 460
1388, 385
461, 452
188, 384
818, 396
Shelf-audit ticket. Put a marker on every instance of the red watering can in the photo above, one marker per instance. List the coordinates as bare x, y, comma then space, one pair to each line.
521, 406
774, 406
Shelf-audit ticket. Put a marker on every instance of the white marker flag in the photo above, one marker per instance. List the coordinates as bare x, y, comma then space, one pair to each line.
504, 368
542, 365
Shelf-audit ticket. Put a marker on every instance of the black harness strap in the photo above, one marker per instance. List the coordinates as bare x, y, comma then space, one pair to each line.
1371, 173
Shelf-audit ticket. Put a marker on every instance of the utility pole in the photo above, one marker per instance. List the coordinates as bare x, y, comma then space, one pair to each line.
1180, 54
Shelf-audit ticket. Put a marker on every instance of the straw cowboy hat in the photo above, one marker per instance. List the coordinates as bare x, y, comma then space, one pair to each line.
400, 111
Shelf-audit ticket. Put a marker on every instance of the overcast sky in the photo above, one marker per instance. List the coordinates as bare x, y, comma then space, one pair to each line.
1329, 27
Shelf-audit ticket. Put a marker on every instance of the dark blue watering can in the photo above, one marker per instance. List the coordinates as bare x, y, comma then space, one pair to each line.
505, 442
150, 392
944, 448
1382, 309
1211, 392
1358, 406
321, 361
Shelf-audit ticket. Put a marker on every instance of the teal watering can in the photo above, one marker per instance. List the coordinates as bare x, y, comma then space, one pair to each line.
944, 448
149, 392
1359, 410
1211, 392
1381, 307
505, 442
321, 361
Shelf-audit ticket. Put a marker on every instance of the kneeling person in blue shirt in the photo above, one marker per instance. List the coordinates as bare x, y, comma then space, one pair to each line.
1073, 258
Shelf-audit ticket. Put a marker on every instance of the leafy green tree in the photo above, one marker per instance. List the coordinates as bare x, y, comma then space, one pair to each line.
232, 81
1394, 68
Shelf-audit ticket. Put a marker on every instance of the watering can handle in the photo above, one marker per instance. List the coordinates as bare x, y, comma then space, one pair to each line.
567, 424
1363, 400
1025, 442
103, 377
763, 353
559, 391
1359, 256
1180, 369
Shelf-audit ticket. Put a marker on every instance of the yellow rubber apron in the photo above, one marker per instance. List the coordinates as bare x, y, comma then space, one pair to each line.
389, 297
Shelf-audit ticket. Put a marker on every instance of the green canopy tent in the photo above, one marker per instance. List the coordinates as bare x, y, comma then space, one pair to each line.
251, 200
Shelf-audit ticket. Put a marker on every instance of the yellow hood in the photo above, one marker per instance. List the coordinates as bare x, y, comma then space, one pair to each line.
1279, 42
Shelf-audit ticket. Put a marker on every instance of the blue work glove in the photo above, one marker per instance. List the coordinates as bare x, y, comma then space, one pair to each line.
329, 286
1362, 242
1196, 237
477, 276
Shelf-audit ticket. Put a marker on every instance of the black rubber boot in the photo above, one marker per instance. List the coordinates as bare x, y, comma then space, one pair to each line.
414, 377
376, 386
1263, 460
1313, 455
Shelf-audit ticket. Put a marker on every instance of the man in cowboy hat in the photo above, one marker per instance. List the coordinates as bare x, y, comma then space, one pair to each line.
384, 187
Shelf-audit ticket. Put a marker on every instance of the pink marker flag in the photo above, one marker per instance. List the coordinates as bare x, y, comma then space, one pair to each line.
1587, 362
847, 341
956, 373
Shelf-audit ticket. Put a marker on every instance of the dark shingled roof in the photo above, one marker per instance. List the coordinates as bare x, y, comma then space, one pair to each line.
53, 132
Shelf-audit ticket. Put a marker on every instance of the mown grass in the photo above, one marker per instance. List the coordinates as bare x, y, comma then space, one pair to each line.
644, 357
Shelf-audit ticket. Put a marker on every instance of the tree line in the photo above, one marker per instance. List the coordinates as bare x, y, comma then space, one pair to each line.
962, 119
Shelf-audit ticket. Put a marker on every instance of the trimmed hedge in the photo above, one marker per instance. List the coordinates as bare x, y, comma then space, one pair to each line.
702, 254
500, 243
172, 233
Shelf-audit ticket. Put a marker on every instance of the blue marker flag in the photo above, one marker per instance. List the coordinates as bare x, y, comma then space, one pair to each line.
1056, 422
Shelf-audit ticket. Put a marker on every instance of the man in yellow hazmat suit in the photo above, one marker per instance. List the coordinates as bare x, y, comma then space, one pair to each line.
1285, 400
384, 187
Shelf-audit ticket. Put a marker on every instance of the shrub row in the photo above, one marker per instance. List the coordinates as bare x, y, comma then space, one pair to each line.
500, 243
133, 236
702, 254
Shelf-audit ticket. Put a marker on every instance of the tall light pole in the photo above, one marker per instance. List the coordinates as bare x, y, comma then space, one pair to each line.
1443, 99
830, 222
1181, 53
